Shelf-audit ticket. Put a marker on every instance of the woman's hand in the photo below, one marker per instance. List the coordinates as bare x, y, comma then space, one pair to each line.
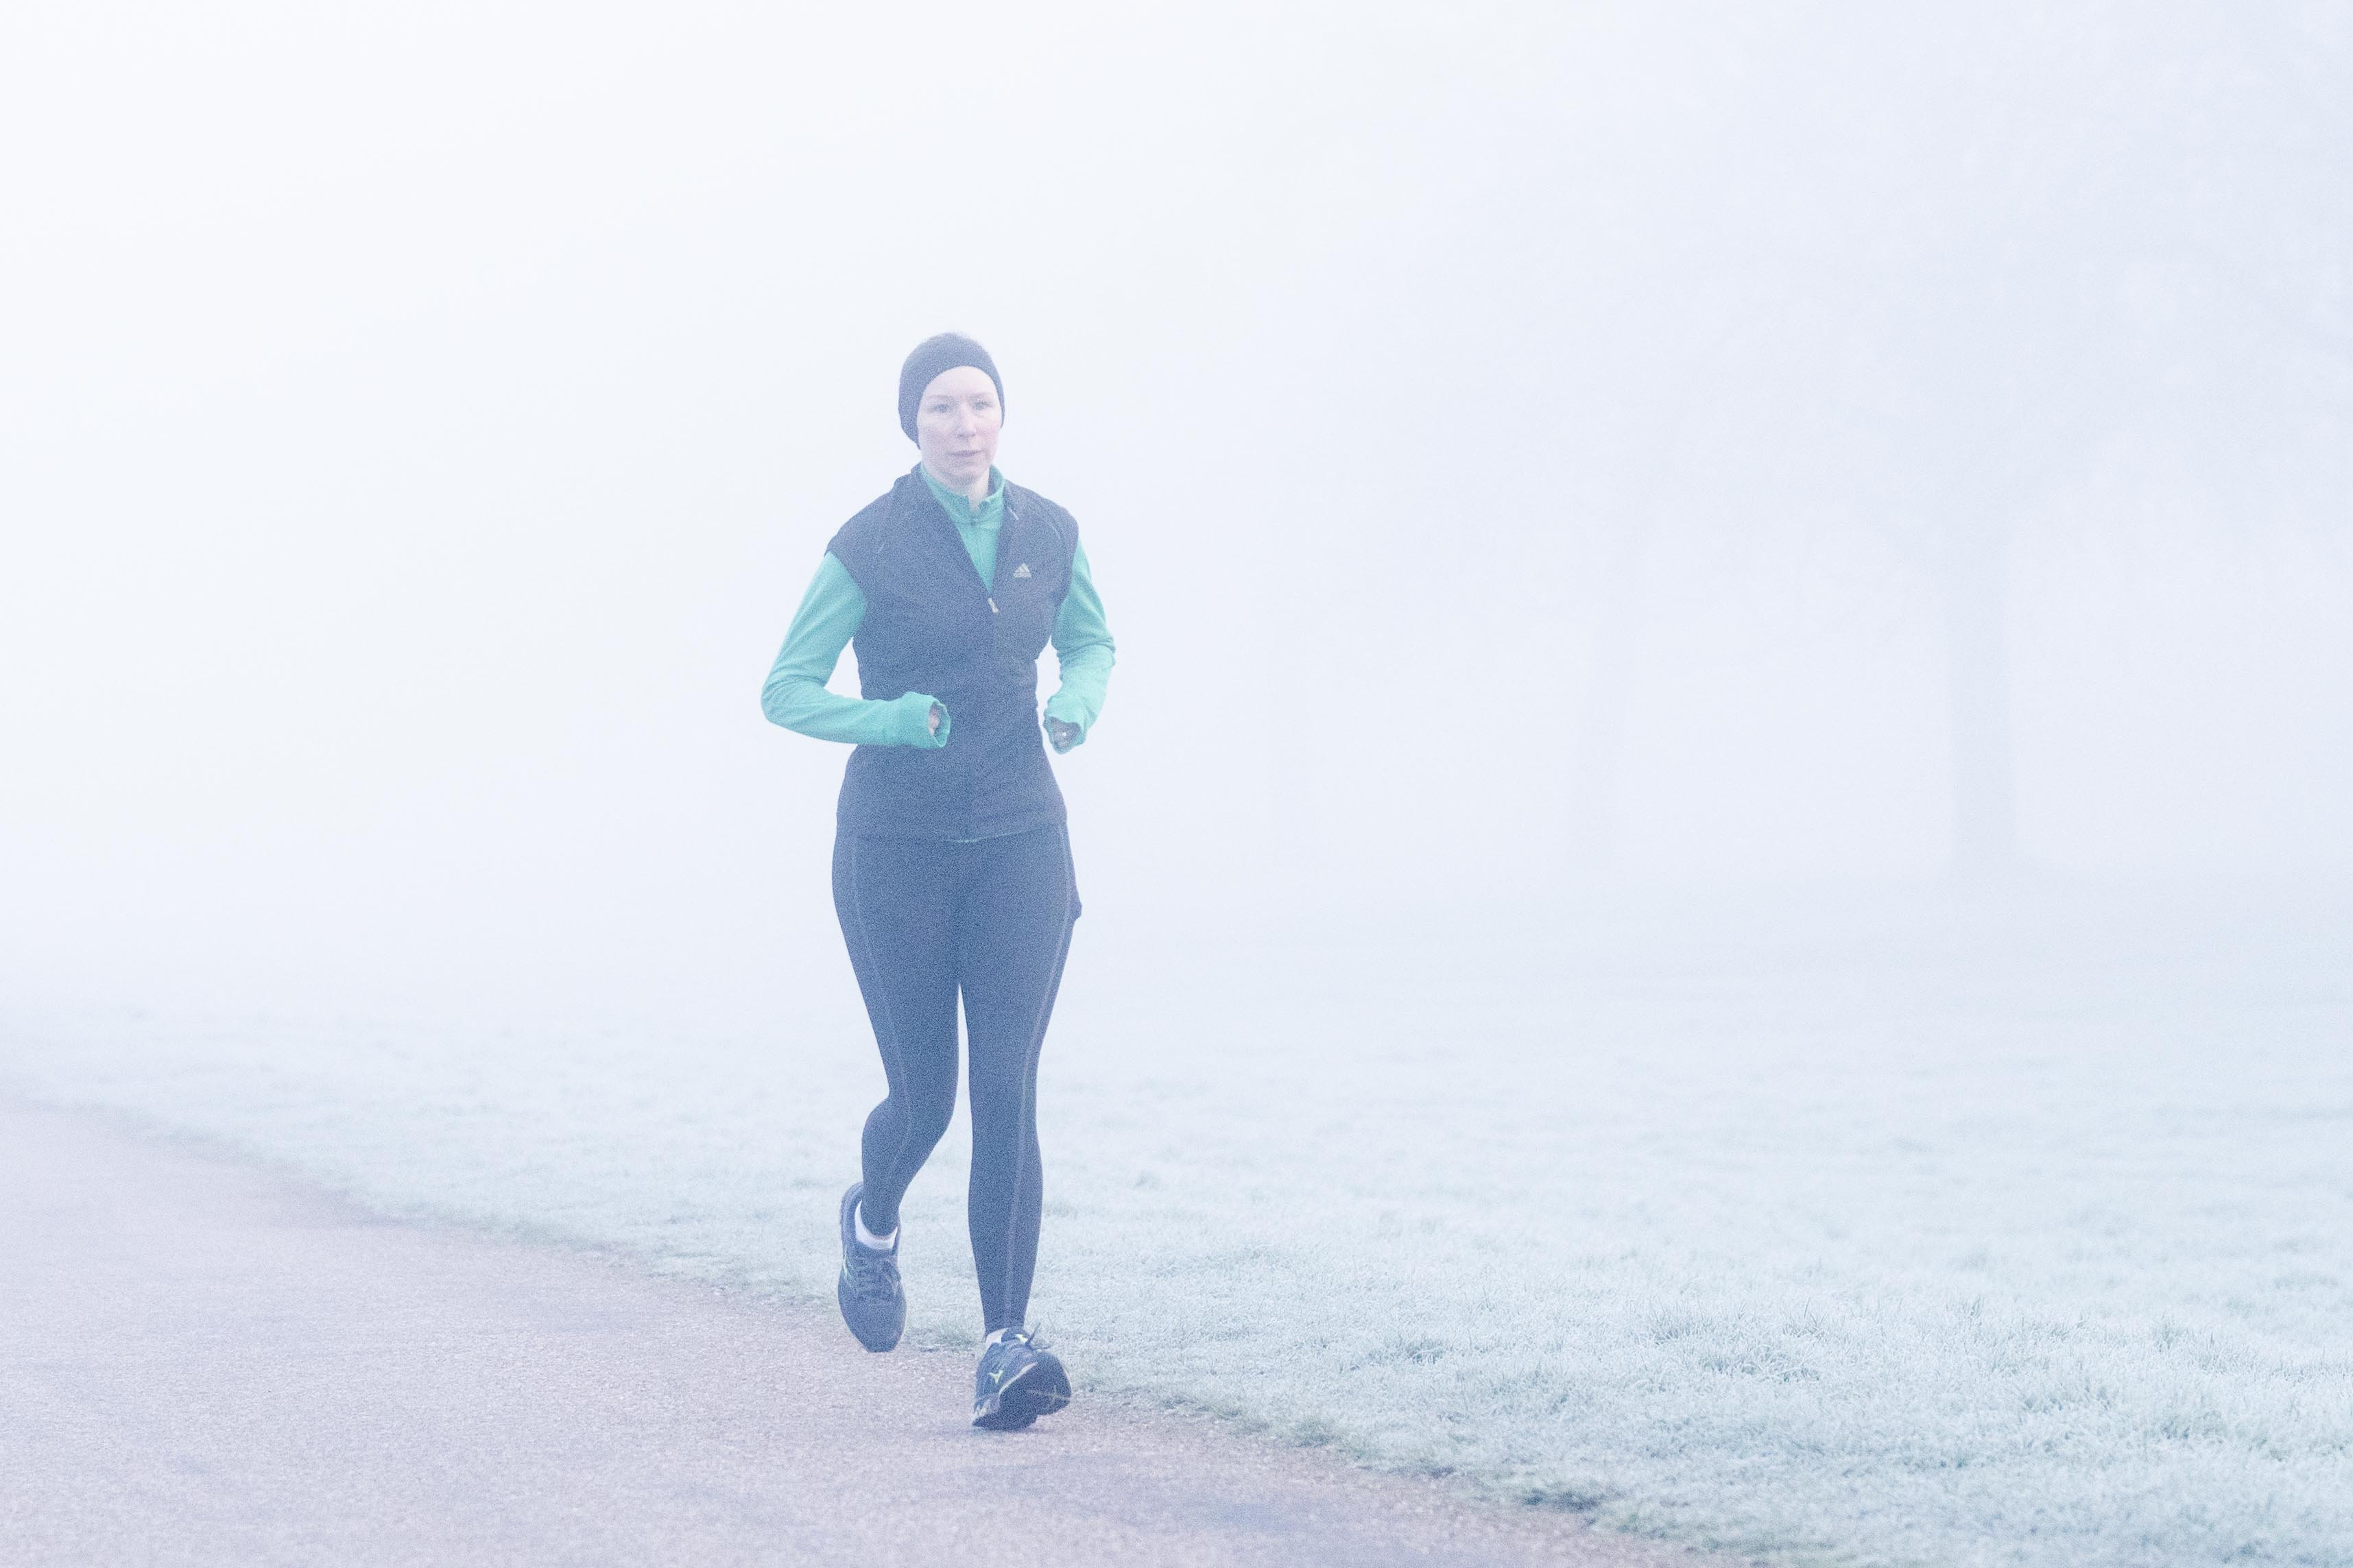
936, 716
1063, 736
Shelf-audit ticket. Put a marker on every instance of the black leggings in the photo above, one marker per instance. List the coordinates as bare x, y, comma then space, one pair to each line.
925, 920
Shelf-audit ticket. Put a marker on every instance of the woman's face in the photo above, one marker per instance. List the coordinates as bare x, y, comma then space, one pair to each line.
957, 424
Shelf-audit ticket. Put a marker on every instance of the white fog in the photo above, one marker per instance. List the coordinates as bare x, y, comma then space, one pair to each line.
1735, 676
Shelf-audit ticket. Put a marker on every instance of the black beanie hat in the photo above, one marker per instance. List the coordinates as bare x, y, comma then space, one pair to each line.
932, 357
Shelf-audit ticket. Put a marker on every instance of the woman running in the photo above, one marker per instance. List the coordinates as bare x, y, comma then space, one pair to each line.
951, 864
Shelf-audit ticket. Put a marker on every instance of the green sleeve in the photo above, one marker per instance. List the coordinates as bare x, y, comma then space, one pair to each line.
796, 696
1082, 643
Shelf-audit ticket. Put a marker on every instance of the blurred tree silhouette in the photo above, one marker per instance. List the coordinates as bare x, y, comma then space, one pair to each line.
1987, 252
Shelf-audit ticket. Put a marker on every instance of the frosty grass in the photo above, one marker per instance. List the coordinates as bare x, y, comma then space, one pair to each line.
1915, 1231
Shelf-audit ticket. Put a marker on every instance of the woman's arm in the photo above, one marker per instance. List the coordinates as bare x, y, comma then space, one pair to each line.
830, 614
1082, 643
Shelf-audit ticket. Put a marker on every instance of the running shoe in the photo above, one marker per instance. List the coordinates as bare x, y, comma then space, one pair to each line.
1019, 1381
872, 1303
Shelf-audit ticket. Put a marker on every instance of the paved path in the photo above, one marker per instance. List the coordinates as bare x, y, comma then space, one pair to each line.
202, 1361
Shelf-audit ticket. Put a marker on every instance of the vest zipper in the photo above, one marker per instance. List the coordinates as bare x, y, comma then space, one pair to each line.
992, 605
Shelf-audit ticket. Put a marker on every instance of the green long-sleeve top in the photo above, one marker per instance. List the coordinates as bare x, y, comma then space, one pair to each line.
834, 608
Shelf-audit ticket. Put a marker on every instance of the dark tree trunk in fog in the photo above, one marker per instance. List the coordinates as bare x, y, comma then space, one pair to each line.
1598, 736
1598, 741
1975, 585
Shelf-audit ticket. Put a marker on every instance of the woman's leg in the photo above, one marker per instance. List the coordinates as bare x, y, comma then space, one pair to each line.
1015, 930
896, 900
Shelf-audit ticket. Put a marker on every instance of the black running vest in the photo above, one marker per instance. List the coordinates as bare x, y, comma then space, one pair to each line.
932, 625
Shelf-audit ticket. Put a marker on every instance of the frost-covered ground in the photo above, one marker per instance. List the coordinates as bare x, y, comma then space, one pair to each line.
1885, 1230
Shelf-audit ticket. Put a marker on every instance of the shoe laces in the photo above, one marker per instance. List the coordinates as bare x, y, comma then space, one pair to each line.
873, 1276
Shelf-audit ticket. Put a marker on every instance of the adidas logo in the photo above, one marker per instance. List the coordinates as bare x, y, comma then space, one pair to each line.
1022, 570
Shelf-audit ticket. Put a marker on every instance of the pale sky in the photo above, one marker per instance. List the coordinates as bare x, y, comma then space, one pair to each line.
417, 423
